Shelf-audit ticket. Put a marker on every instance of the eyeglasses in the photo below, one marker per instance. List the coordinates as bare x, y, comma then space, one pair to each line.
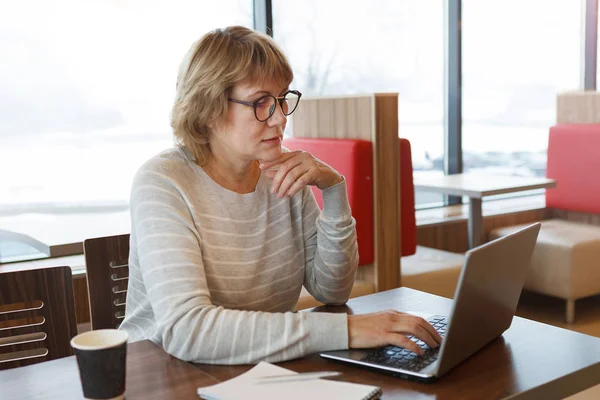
265, 106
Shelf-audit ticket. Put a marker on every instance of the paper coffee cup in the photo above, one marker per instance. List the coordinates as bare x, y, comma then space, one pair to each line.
101, 357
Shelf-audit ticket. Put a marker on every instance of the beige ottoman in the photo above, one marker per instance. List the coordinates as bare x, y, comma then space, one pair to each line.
432, 271
565, 262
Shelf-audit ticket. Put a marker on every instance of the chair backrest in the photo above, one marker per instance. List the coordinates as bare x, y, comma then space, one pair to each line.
107, 268
37, 316
353, 158
573, 161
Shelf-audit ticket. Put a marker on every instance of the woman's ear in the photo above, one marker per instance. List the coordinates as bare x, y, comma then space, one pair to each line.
218, 124
214, 126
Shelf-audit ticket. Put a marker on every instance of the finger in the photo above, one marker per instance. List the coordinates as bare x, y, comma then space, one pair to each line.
397, 339
422, 333
291, 178
430, 329
300, 183
421, 322
282, 172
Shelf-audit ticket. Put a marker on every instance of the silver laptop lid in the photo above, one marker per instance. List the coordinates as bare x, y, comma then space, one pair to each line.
487, 294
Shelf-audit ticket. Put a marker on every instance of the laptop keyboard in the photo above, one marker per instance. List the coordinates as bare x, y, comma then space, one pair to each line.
399, 357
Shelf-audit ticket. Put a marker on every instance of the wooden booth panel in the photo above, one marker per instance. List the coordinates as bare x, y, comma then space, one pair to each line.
335, 117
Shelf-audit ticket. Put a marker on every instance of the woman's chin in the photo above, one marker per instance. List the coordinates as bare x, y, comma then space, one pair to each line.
270, 155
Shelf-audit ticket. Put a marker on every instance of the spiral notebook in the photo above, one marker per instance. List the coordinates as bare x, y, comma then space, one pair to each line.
248, 386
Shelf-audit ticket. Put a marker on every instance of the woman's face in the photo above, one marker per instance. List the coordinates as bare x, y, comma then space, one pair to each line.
245, 137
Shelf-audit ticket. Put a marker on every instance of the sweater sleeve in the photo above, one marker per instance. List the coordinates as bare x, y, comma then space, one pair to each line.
330, 243
187, 325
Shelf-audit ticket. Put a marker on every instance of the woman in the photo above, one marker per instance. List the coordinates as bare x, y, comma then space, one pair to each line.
226, 231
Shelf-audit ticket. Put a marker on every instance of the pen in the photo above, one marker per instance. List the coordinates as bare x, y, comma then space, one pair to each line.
297, 377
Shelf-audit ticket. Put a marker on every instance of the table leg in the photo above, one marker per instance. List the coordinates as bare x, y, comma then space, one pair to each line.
475, 222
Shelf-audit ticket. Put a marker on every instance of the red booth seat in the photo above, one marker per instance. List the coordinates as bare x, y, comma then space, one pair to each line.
574, 162
354, 159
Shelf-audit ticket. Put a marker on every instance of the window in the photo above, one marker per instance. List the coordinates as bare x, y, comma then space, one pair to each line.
348, 47
517, 55
86, 90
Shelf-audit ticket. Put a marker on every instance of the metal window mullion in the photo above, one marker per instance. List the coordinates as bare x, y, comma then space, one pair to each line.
453, 91
263, 16
589, 44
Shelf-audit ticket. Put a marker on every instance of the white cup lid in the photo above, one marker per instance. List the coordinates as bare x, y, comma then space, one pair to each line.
99, 339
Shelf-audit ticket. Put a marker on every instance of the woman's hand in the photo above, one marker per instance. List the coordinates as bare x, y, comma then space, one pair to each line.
296, 169
390, 328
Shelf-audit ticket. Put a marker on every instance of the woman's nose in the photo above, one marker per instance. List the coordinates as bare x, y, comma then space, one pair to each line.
278, 117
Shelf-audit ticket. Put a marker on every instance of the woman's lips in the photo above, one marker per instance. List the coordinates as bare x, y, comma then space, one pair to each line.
272, 140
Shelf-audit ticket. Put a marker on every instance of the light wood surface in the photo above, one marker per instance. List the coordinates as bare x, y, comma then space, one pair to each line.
347, 117
478, 185
530, 361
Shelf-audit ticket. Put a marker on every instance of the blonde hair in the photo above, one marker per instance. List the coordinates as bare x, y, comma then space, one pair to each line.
207, 74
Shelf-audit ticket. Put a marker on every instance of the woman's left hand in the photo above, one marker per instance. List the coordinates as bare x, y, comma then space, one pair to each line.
296, 169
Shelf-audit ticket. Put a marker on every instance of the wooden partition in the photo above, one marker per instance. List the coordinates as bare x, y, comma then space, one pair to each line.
372, 117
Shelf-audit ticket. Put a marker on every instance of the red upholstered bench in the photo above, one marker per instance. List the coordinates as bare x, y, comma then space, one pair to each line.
566, 261
574, 161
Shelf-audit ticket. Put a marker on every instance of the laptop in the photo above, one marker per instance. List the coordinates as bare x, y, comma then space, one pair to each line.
485, 302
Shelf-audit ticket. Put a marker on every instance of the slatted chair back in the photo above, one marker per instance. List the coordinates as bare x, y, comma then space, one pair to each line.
37, 316
107, 268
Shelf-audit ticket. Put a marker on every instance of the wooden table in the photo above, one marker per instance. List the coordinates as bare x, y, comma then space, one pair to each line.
531, 361
476, 186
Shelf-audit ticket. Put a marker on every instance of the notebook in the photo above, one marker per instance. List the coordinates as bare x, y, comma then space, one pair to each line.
247, 386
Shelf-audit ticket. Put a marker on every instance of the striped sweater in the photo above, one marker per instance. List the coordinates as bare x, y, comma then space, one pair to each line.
214, 275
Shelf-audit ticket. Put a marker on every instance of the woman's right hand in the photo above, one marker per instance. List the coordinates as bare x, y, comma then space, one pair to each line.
390, 328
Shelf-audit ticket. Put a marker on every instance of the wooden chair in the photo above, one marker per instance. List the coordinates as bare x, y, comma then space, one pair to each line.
107, 265
37, 316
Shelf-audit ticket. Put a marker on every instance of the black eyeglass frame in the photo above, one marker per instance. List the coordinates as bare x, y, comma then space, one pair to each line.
279, 100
